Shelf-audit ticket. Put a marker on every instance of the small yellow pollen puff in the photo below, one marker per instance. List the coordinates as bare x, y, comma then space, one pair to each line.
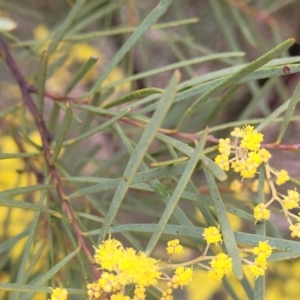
257, 271
263, 248
222, 160
251, 139
236, 186
182, 276
236, 132
264, 154
261, 212
224, 146
282, 177
212, 235
174, 247
221, 265
59, 294
295, 230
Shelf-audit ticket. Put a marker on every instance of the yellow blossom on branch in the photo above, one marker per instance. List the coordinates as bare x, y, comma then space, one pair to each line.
108, 254
119, 296
222, 161
263, 248
251, 139
182, 276
94, 290
174, 247
236, 132
291, 200
212, 235
282, 177
109, 283
264, 154
261, 212
139, 293
59, 294
224, 146
295, 230
221, 265
257, 270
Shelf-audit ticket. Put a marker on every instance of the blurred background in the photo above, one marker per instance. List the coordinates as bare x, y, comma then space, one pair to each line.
188, 30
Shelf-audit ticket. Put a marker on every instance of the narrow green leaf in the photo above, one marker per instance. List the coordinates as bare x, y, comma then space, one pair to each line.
63, 129
29, 206
96, 129
242, 238
48, 275
174, 66
180, 187
249, 68
259, 288
208, 85
13, 287
22, 274
289, 112
41, 79
138, 94
18, 155
23, 190
149, 20
110, 32
268, 120
81, 73
155, 184
8, 244
139, 152
212, 167
104, 184
227, 233
63, 29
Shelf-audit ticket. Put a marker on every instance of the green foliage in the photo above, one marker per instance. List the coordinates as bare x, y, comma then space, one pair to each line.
110, 124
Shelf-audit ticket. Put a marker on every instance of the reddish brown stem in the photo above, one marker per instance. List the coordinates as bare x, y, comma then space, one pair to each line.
46, 138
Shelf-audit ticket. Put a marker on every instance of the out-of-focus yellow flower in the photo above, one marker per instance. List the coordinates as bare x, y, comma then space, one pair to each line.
236, 186
40, 31
255, 187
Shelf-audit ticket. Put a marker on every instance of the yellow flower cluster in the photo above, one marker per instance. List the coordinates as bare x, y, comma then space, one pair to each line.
123, 266
174, 247
287, 202
246, 151
261, 213
263, 251
295, 229
282, 177
291, 200
221, 265
182, 276
59, 294
212, 235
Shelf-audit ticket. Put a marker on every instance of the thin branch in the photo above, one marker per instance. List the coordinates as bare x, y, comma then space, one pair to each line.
56, 97
46, 138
